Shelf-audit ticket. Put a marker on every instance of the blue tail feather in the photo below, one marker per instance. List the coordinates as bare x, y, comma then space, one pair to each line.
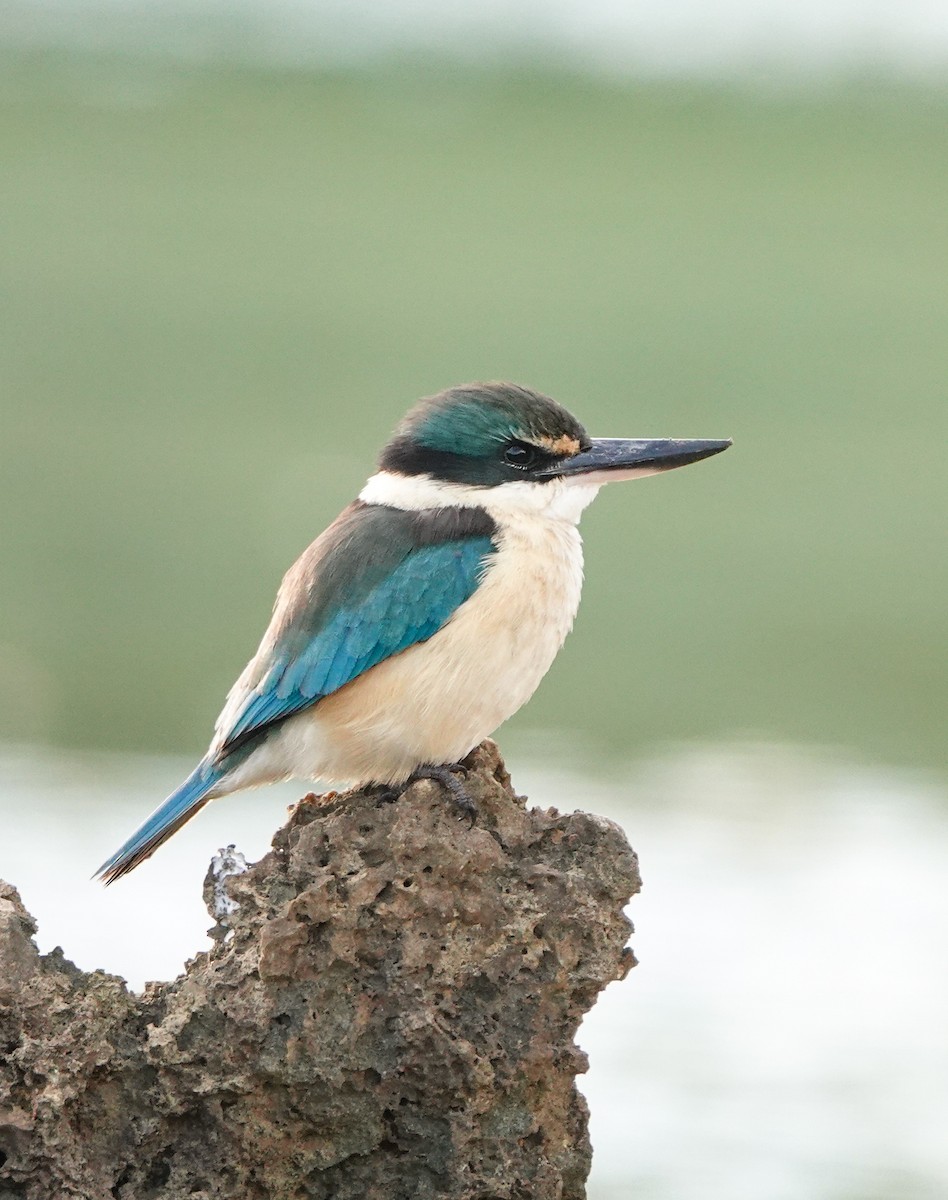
180, 806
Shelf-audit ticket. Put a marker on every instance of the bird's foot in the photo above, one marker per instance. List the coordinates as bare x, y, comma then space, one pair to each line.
385, 793
446, 774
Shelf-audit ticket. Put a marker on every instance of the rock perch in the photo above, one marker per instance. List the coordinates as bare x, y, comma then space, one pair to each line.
387, 1014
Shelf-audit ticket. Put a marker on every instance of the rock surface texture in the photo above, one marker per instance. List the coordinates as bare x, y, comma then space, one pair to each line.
389, 1015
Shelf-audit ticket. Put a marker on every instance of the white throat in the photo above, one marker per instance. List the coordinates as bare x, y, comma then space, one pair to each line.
557, 499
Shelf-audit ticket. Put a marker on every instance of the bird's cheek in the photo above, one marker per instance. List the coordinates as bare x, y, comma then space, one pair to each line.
571, 495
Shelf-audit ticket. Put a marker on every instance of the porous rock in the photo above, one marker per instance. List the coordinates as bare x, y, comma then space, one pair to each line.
388, 1014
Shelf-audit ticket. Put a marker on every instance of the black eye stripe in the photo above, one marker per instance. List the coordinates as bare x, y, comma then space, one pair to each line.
509, 460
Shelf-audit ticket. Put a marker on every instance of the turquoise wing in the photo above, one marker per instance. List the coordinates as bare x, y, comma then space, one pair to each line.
360, 601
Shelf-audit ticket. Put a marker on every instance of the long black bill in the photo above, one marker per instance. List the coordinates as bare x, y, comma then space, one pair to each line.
623, 458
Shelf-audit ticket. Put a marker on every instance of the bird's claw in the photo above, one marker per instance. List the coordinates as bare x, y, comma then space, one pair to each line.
467, 807
446, 775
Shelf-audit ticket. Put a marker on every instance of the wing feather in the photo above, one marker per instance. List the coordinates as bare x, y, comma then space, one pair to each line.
377, 582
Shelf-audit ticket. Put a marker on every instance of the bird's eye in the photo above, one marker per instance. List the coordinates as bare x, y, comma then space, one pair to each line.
519, 455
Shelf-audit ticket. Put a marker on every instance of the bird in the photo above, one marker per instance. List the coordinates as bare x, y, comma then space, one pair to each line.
427, 613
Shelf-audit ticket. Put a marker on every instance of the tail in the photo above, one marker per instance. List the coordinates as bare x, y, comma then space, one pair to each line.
167, 819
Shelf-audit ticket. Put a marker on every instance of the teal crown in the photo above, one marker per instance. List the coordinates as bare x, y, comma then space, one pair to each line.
460, 434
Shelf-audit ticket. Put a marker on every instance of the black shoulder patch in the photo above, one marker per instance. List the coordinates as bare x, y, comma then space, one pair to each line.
432, 526
387, 525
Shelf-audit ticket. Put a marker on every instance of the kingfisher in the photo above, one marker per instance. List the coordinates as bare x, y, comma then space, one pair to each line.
427, 613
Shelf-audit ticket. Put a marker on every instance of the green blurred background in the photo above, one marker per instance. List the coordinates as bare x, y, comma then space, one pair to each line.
222, 285
236, 245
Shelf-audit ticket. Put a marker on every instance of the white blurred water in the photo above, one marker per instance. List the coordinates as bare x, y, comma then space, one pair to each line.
678, 37
785, 1036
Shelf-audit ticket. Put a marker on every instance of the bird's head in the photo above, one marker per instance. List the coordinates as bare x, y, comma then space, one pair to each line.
519, 446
